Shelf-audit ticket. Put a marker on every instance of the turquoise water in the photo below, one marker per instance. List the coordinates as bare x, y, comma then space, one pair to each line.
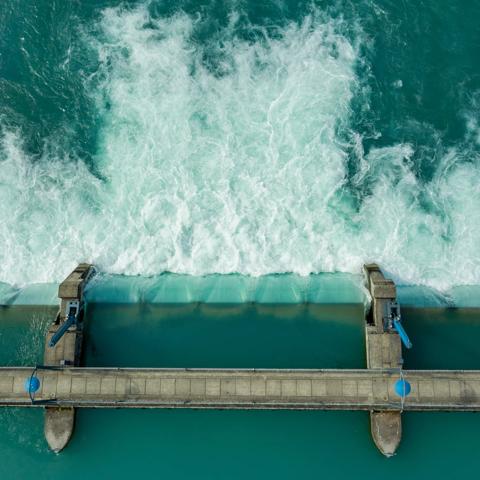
229, 444
252, 137
287, 289
170, 142
249, 336
323, 288
443, 338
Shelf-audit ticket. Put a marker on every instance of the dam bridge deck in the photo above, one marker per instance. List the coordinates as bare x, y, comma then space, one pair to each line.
365, 389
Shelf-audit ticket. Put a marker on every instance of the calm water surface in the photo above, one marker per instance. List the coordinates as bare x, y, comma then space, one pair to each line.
236, 444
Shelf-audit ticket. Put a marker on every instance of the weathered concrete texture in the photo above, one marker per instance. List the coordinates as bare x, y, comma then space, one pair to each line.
58, 428
384, 351
72, 286
247, 389
386, 430
67, 350
59, 422
382, 290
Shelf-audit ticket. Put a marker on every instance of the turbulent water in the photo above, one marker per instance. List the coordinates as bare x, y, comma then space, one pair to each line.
220, 137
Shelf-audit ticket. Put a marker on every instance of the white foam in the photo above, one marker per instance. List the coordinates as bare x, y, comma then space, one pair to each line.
238, 169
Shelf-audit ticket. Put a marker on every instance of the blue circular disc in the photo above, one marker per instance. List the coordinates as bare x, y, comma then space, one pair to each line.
32, 384
402, 387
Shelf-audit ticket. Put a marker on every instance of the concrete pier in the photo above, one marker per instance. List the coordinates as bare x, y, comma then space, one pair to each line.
384, 351
59, 422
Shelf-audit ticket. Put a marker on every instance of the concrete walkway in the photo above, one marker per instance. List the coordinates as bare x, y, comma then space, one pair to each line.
246, 389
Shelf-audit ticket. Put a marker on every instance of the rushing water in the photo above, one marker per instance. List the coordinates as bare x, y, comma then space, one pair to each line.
240, 136
233, 444
246, 138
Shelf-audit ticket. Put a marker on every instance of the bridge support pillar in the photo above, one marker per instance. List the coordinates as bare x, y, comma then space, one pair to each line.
384, 351
59, 422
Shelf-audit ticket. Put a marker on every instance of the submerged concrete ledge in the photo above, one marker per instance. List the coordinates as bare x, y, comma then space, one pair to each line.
365, 389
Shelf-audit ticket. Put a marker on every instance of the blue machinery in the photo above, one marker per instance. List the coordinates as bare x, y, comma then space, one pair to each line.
72, 314
393, 320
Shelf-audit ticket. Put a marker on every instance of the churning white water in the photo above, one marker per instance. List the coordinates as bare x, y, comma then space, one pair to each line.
239, 168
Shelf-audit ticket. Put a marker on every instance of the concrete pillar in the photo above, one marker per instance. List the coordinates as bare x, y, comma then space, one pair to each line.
384, 351
59, 422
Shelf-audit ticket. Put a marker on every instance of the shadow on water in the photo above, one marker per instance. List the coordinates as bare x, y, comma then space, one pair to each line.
443, 338
242, 335
229, 336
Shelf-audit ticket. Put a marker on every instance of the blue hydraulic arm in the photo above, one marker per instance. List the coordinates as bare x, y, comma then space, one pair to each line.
73, 309
393, 320
403, 334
